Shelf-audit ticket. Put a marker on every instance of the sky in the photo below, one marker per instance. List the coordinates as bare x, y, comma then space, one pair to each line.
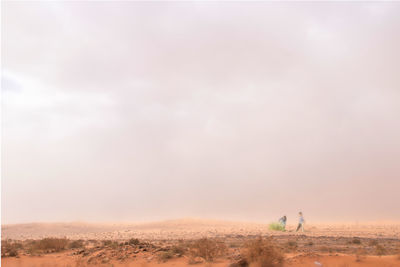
135, 111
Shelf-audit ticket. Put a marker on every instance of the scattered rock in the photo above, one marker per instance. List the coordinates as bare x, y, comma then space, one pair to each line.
240, 263
198, 260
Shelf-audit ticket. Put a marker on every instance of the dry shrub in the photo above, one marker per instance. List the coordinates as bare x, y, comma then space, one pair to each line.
10, 248
263, 253
179, 249
291, 245
49, 244
76, 244
380, 250
173, 251
111, 244
356, 241
163, 256
373, 242
133, 242
208, 249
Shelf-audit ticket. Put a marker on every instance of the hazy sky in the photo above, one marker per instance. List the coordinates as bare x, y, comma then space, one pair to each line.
145, 111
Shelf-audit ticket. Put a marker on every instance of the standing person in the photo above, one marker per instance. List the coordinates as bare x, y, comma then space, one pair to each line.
301, 222
282, 221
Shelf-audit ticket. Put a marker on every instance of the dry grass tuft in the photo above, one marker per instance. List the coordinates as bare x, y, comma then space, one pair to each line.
380, 250
208, 249
263, 253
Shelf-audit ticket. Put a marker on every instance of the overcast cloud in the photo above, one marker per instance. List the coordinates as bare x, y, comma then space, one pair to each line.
231, 110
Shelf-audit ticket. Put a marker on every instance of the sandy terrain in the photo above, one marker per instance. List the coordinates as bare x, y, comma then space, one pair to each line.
61, 260
339, 245
189, 229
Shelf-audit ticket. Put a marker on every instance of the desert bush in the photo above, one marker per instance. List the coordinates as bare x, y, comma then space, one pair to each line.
276, 227
50, 244
380, 250
356, 241
206, 248
373, 242
106, 242
10, 248
179, 249
76, 244
134, 242
112, 244
163, 256
310, 243
263, 253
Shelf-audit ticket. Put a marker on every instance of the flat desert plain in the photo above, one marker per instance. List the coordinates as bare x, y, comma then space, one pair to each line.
199, 243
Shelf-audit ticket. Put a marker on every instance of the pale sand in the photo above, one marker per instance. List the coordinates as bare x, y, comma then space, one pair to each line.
189, 229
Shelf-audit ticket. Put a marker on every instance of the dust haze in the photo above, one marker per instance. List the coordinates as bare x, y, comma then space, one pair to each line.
133, 111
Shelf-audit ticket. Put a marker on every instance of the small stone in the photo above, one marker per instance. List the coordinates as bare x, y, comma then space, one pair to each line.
198, 260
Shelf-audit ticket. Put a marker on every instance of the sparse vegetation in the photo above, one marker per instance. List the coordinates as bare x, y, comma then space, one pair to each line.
208, 249
48, 245
76, 244
243, 250
107, 242
263, 253
276, 227
10, 248
134, 242
163, 256
111, 243
373, 243
380, 250
179, 249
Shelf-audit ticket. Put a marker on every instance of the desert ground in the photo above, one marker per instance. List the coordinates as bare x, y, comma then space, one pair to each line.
199, 243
